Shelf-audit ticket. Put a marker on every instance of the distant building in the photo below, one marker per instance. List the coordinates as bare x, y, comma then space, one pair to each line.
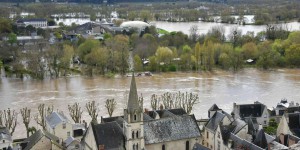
5, 138
256, 110
37, 23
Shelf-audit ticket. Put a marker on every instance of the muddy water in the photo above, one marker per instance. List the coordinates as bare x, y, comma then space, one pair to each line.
220, 87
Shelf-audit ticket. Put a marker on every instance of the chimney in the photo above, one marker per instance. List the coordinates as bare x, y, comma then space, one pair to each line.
101, 147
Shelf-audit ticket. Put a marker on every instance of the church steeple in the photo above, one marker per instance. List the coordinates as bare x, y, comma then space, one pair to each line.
133, 120
133, 101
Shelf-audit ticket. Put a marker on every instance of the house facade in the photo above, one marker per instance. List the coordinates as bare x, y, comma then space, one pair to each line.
59, 125
42, 140
5, 138
256, 110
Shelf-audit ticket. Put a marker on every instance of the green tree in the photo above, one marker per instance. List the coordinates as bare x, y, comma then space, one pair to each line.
152, 63
268, 57
164, 55
12, 38
97, 58
138, 65
86, 47
249, 51
292, 55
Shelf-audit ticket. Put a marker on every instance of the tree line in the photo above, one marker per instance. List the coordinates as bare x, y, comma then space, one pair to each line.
8, 117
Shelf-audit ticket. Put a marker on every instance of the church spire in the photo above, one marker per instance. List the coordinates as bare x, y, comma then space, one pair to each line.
133, 102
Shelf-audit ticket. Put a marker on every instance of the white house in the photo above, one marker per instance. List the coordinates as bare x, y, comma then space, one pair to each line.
5, 138
58, 125
256, 110
37, 23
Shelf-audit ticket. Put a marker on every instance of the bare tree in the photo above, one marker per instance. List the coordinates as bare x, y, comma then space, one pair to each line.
110, 106
92, 110
25, 112
185, 101
154, 102
43, 112
75, 112
8, 118
235, 36
141, 102
194, 33
168, 100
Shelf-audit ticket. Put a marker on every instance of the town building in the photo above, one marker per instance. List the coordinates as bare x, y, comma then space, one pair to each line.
37, 23
59, 125
136, 130
257, 110
41, 140
288, 130
5, 138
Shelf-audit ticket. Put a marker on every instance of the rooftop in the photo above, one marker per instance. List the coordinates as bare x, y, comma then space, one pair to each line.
170, 129
56, 118
108, 134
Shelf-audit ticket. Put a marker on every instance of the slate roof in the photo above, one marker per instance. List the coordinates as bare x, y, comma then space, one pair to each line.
5, 134
166, 113
108, 134
197, 146
277, 146
33, 139
239, 125
118, 119
241, 144
226, 131
56, 118
214, 121
170, 129
254, 110
69, 140
269, 138
177, 111
294, 123
293, 109
261, 140
153, 114
146, 117
214, 107
252, 125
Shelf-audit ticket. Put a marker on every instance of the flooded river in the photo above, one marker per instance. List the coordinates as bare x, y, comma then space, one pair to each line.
220, 87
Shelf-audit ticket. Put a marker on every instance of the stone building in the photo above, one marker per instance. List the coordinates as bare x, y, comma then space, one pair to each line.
170, 129
257, 110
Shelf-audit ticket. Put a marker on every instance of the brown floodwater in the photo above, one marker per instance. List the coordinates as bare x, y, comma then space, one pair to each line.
220, 87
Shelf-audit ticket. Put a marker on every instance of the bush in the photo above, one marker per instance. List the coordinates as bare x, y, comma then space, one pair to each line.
172, 68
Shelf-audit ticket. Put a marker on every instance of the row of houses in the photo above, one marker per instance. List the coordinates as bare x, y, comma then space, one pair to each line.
169, 129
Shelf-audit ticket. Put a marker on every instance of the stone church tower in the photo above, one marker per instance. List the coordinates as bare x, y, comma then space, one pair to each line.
133, 124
